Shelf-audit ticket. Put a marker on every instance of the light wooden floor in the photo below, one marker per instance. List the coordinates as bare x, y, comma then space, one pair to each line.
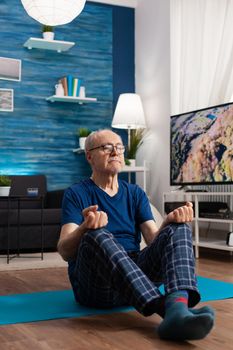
124, 331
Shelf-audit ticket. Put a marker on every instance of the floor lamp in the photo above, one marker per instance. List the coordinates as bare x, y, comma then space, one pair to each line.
129, 113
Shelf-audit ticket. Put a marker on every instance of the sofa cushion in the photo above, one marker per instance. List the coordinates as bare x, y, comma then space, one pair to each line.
54, 199
31, 217
32, 202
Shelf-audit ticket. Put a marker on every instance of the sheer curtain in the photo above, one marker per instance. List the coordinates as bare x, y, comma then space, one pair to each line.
201, 56
201, 53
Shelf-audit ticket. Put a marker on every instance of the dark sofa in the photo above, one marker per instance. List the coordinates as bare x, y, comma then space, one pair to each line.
30, 215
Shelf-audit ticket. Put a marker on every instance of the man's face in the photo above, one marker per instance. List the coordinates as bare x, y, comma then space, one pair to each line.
106, 159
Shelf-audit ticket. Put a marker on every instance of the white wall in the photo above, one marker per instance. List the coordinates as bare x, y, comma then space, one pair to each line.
152, 59
127, 3
152, 42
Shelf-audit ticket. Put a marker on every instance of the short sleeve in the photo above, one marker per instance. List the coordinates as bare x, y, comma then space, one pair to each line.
71, 208
143, 209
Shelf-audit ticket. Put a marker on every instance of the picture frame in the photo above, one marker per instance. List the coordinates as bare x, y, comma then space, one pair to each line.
6, 100
10, 69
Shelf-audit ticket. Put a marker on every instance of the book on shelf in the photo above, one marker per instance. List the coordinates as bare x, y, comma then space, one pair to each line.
70, 85
76, 86
79, 85
63, 81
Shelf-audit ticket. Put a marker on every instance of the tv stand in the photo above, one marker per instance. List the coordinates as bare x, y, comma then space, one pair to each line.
186, 188
209, 197
194, 191
182, 188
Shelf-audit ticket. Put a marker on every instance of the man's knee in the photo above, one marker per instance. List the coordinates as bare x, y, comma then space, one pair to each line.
97, 235
178, 230
91, 243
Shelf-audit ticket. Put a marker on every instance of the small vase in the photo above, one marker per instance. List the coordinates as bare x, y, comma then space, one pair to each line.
4, 191
82, 141
48, 35
132, 162
82, 93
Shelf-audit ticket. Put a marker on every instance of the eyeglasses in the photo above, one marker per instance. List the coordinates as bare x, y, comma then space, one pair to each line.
109, 147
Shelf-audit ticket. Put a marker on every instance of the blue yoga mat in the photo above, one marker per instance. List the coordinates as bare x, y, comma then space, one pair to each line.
32, 307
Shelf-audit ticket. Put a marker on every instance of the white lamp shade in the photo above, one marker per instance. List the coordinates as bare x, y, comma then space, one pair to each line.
129, 112
53, 12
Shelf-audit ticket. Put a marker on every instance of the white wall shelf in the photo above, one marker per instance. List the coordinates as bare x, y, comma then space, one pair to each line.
71, 99
204, 196
56, 45
137, 169
133, 169
214, 244
78, 150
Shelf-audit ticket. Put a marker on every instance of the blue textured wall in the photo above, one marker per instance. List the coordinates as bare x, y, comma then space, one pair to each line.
38, 137
123, 52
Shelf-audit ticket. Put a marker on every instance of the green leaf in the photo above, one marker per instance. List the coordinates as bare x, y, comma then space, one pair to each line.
5, 181
136, 137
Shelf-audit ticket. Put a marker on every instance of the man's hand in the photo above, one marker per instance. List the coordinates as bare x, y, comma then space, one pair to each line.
71, 233
94, 219
181, 214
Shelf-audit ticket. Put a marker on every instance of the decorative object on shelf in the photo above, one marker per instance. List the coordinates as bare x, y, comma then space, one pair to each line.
48, 32
52, 12
135, 142
82, 92
32, 191
59, 90
5, 185
82, 134
127, 162
230, 239
76, 87
130, 162
69, 89
129, 115
63, 81
71, 86
6, 100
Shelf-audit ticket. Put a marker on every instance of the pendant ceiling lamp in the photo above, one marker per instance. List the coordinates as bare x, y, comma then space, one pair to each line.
53, 12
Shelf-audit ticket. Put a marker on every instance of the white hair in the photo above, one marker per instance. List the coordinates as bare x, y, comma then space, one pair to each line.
91, 139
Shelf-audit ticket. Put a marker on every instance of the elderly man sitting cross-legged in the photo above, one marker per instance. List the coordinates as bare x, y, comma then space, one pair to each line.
103, 219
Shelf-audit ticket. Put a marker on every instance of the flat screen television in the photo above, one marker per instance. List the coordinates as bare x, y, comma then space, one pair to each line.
201, 149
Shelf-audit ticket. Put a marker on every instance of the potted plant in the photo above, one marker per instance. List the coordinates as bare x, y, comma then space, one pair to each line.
135, 142
48, 32
82, 134
5, 185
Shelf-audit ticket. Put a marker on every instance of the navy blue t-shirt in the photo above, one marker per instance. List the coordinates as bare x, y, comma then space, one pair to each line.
126, 210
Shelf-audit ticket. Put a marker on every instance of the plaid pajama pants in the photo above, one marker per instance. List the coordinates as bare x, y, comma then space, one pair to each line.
105, 275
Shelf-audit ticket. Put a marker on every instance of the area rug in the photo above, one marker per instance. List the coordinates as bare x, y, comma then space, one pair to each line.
41, 306
32, 261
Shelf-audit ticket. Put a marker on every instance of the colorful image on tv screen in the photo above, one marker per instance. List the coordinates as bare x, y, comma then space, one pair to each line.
202, 146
